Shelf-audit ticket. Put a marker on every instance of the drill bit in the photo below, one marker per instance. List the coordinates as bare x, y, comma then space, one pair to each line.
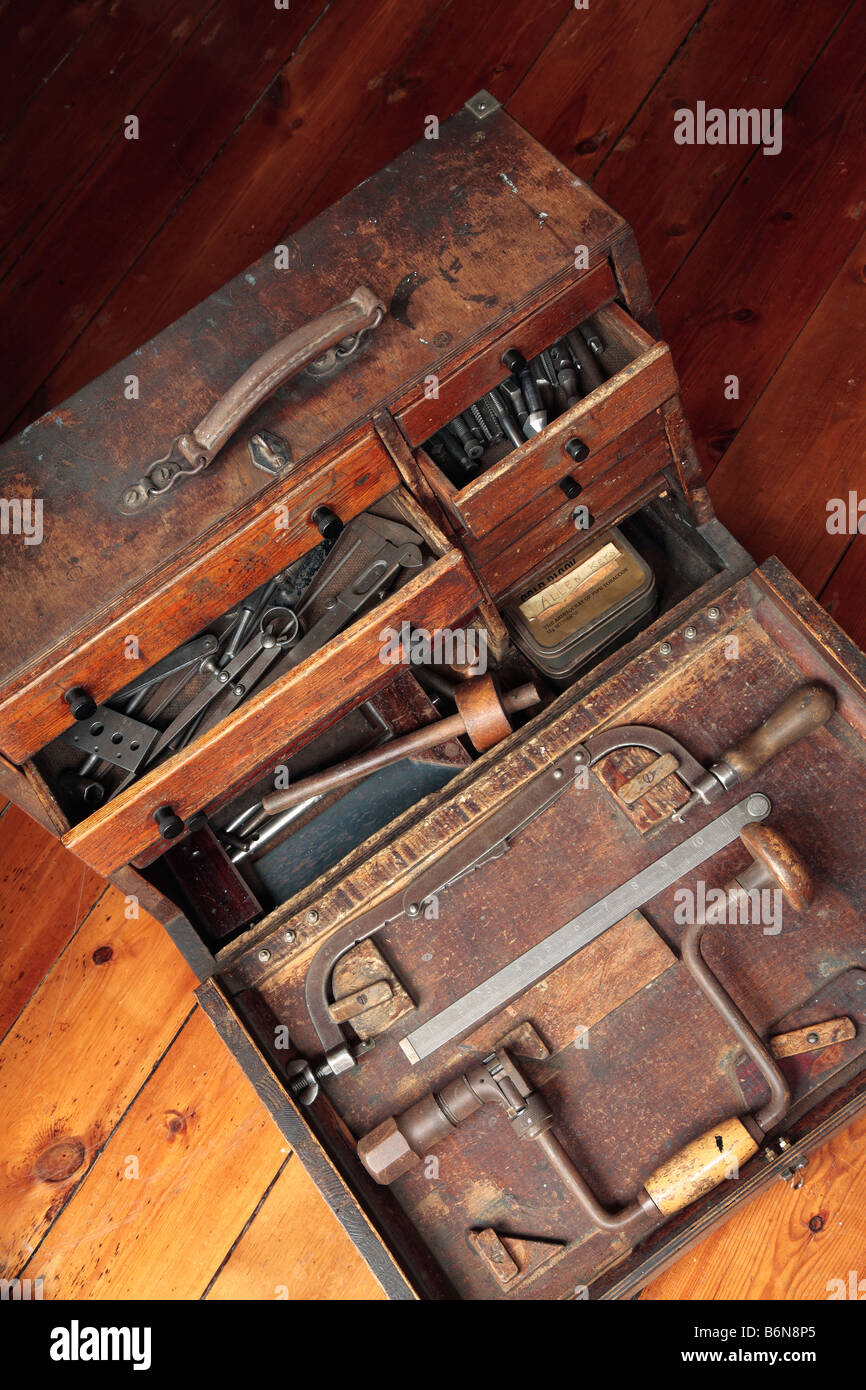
537, 417
503, 414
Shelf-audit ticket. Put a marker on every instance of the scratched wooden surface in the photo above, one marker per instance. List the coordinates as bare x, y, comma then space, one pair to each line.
252, 120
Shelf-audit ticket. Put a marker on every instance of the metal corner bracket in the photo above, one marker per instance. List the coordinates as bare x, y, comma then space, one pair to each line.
482, 104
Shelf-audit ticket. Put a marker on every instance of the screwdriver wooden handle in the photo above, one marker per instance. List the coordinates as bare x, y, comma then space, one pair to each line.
701, 1166
805, 710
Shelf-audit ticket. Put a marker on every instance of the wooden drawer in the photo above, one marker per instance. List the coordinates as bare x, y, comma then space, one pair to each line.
229, 561
276, 720
465, 379
512, 492
622, 477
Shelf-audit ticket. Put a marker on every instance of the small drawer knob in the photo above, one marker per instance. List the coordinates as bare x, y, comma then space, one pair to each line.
168, 824
80, 703
577, 450
570, 486
514, 361
327, 523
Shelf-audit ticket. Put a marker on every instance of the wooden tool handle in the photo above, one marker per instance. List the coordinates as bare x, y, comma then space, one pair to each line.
483, 730
701, 1166
776, 865
805, 710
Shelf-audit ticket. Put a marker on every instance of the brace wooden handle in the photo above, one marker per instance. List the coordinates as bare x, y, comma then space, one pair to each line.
701, 1166
805, 710
776, 864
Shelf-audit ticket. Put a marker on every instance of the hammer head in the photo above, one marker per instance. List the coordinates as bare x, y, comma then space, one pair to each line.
385, 1152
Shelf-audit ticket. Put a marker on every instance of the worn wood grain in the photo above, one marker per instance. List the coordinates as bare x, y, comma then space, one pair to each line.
610, 411
225, 564
668, 191
594, 74
259, 178
598, 70
44, 896
810, 425
129, 49
142, 1224
447, 64
446, 299
275, 722
76, 1057
786, 228
77, 258
293, 1248
842, 595
35, 40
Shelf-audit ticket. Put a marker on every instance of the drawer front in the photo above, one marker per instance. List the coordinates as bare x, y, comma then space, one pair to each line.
509, 562
639, 453
642, 379
232, 560
274, 723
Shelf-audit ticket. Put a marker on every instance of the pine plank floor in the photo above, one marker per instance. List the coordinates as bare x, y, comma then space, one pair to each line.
123, 1117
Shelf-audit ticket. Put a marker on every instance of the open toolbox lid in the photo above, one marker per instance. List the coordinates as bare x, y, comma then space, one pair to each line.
452, 237
664, 1065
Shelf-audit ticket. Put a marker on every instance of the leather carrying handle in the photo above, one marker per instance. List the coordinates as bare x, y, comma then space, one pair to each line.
282, 361
195, 450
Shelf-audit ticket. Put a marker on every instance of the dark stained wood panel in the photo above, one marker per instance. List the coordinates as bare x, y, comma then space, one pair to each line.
783, 232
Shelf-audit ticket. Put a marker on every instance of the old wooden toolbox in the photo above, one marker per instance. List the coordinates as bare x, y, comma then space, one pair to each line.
544, 1000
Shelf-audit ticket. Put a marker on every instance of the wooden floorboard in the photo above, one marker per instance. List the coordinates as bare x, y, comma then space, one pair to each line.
783, 232
43, 900
126, 1116
804, 443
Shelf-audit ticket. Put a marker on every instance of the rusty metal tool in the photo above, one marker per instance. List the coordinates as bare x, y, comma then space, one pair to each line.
481, 714
589, 372
387, 547
488, 843
472, 447
806, 709
591, 338
277, 627
513, 394
400, 1143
